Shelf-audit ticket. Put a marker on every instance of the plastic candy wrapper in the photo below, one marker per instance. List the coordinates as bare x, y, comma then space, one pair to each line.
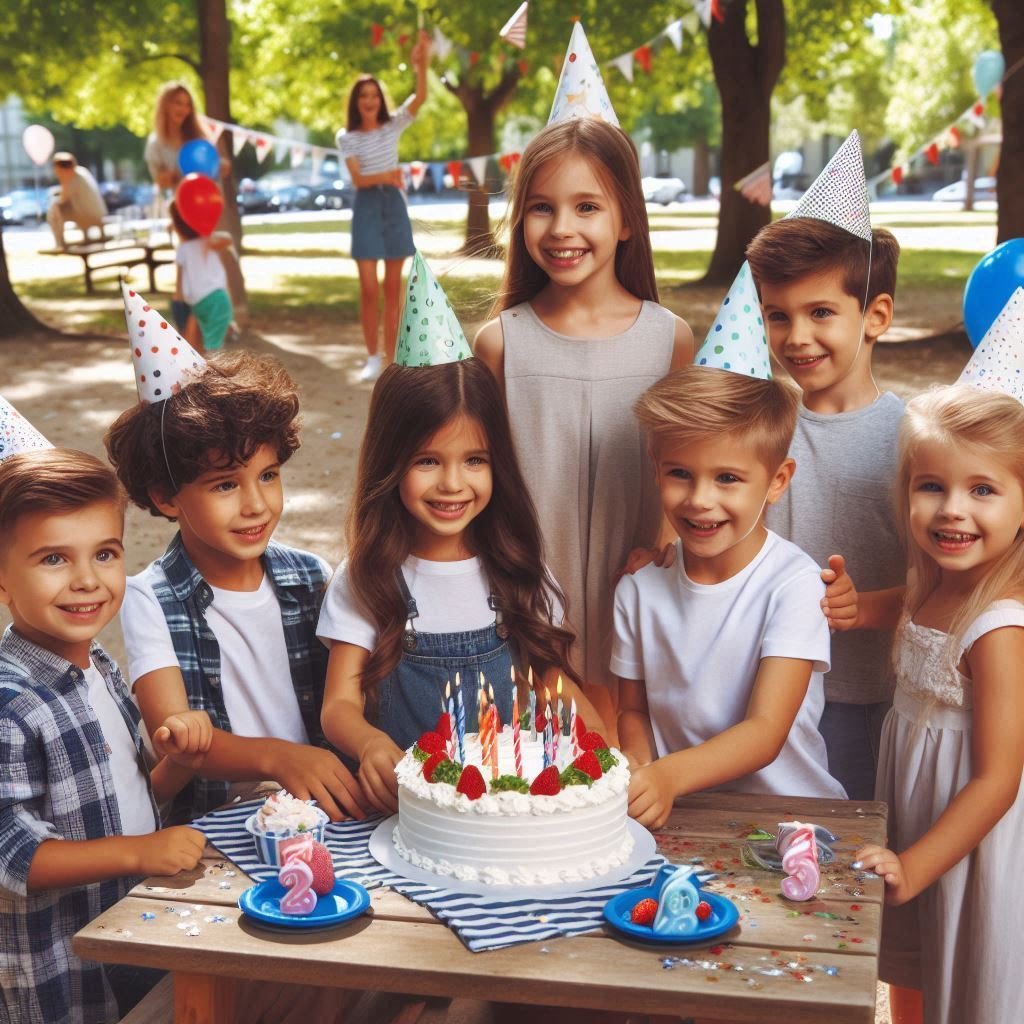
761, 849
799, 851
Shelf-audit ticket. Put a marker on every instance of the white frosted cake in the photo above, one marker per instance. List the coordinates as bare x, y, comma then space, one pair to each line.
457, 821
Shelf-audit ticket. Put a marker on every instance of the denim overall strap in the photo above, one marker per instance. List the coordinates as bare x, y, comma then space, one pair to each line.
412, 697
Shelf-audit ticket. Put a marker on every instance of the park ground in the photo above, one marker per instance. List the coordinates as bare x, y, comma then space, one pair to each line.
304, 311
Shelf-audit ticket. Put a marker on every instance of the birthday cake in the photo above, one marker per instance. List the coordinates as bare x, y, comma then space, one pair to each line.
490, 817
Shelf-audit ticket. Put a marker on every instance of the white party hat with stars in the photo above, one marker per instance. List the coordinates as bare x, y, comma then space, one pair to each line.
16, 433
581, 91
998, 362
737, 339
430, 332
839, 194
162, 358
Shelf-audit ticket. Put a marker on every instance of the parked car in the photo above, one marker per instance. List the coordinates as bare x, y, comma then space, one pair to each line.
335, 195
664, 190
984, 188
252, 197
24, 205
121, 194
292, 197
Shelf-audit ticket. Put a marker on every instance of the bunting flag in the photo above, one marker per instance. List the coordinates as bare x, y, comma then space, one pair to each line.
643, 57
442, 44
508, 161
280, 151
214, 129
674, 31
262, 145
376, 35
703, 10
478, 165
756, 187
625, 65
514, 30
239, 137
298, 155
318, 160
455, 170
416, 172
437, 172
932, 153
976, 115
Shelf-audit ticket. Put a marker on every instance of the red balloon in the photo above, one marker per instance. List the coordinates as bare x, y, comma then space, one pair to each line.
199, 202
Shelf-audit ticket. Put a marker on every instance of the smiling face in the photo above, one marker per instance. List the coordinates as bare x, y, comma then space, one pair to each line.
447, 484
62, 576
179, 106
369, 101
714, 491
572, 223
965, 507
227, 517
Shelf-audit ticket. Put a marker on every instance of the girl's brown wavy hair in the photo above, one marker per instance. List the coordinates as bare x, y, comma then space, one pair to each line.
409, 405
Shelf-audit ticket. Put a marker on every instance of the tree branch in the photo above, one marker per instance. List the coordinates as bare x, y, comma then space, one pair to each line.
502, 92
184, 58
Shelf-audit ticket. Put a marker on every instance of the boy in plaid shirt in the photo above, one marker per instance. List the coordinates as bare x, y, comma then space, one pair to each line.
78, 802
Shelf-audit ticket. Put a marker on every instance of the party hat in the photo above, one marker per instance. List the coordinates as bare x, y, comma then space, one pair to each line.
998, 362
737, 340
16, 433
839, 194
163, 359
429, 333
581, 91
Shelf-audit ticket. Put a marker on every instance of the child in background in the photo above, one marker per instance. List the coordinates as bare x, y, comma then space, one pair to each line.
826, 283
579, 337
224, 620
720, 656
78, 803
202, 284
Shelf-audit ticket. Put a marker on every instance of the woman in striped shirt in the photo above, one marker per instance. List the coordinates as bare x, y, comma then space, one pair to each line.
380, 221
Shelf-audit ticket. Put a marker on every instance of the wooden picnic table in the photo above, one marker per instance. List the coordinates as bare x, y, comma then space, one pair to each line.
121, 253
784, 962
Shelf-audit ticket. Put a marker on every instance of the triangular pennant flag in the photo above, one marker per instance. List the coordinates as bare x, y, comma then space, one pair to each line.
976, 115
514, 30
16, 433
239, 137
703, 9
442, 44
281, 150
437, 172
581, 91
416, 171
318, 161
625, 65
162, 358
643, 57
757, 185
737, 340
455, 170
376, 35
691, 22
998, 362
262, 145
674, 31
430, 333
215, 129
839, 195
478, 165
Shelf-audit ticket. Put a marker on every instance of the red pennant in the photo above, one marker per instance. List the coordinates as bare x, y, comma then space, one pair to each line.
376, 35
716, 11
506, 162
643, 58
403, 39
932, 153
473, 58
455, 170
979, 108
954, 137
524, 66
897, 175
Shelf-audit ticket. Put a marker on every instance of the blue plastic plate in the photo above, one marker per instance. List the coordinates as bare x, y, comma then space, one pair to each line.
263, 902
617, 910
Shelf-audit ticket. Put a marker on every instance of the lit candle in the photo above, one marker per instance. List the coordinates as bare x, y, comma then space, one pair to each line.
533, 706
481, 703
549, 744
450, 702
494, 706
574, 740
485, 730
517, 750
494, 740
461, 712
558, 690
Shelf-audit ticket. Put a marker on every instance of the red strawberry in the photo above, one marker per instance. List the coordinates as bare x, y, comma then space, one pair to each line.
581, 729
541, 722
431, 763
703, 910
644, 912
431, 743
546, 784
322, 865
587, 762
443, 728
471, 782
592, 741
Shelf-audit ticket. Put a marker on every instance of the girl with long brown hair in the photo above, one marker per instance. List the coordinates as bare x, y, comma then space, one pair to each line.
444, 575
578, 337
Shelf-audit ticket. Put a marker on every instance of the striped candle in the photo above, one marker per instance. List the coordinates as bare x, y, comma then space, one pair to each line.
533, 706
486, 730
460, 709
517, 748
494, 740
549, 743
450, 702
574, 740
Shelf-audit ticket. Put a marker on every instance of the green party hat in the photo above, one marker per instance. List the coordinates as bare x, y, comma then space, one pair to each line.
737, 340
429, 333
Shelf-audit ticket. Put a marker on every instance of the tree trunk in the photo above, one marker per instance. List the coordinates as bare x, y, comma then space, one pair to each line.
1010, 180
701, 167
746, 76
15, 319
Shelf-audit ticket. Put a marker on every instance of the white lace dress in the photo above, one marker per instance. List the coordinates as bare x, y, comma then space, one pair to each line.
960, 940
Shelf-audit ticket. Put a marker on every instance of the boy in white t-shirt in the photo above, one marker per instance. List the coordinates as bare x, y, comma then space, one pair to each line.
720, 655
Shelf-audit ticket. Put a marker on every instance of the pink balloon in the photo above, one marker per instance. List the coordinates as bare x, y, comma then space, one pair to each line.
38, 143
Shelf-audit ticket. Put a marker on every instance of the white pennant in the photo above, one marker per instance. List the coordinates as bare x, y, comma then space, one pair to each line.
318, 160
239, 137
442, 44
478, 165
215, 129
417, 169
674, 30
262, 145
280, 152
514, 30
298, 153
703, 9
625, 65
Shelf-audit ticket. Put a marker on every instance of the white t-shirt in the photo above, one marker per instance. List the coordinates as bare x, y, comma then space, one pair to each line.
377, 150
451, 597
698, 648
255, 675
130, 786
202, 270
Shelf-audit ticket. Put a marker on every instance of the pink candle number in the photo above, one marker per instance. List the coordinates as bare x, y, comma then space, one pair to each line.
297, 878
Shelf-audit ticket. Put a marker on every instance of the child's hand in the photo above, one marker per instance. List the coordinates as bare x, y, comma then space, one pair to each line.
890, 868
650, 796
185, 738
421, 50
377, 773
663, 558
168, 851
312, 773
840, 604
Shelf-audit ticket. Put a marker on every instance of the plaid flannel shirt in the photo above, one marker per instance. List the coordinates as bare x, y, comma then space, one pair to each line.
299, 580
55, 783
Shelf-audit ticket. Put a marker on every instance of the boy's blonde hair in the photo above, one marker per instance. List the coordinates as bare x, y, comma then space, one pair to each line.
697, 402
992, 424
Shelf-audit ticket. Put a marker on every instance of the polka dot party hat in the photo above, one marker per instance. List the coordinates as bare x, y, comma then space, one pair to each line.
16, 433
429, 333
839, 194
737, 340
162, 358
998, 362
581, 91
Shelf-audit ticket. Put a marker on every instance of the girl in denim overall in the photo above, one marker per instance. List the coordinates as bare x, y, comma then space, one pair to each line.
445, 574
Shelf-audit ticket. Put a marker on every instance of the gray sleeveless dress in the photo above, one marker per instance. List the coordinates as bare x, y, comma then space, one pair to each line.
584, 456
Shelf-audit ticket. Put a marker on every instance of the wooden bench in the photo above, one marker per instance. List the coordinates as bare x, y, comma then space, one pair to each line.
119, 252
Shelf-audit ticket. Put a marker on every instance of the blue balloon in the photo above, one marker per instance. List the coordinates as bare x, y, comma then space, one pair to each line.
199, 157
990, 286
989, 68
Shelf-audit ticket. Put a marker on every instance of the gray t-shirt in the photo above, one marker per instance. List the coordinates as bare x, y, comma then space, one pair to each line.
841, 502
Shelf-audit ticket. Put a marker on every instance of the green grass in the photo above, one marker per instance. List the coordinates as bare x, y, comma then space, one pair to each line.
304, 227
935, 268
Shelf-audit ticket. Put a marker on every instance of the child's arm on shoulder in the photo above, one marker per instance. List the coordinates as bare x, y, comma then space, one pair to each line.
997, 760
846, 608
489, 348
684, 348
344, 723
